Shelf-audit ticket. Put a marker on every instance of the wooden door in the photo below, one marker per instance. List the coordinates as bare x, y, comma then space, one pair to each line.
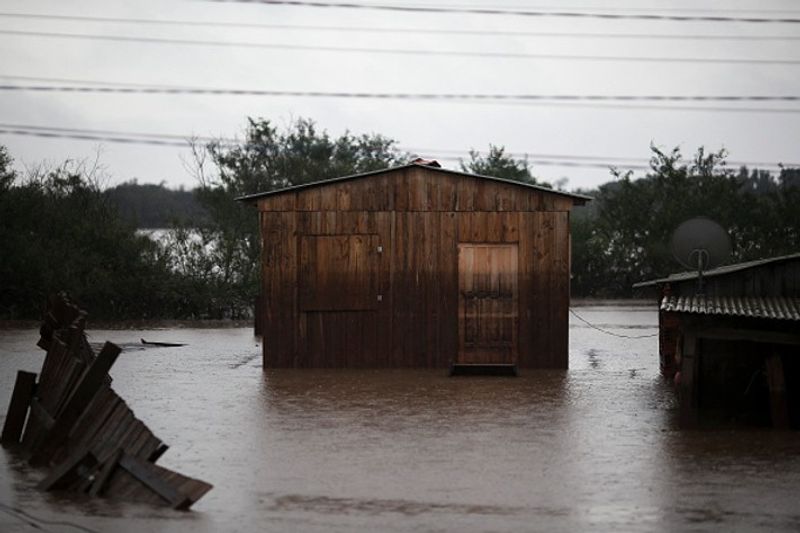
488, 303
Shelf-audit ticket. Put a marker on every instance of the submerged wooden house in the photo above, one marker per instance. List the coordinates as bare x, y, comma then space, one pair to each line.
415, 266
735, 347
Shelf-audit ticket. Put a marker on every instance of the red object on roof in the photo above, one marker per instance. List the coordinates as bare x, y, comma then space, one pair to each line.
426, 162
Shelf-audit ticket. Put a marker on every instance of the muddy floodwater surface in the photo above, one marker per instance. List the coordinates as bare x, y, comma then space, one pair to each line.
595, 447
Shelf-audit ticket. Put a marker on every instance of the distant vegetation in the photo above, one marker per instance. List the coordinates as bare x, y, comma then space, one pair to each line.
155, 206
62, 231
59, 232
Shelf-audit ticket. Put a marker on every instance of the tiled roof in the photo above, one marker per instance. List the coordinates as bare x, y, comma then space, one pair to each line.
776, 308
719, 271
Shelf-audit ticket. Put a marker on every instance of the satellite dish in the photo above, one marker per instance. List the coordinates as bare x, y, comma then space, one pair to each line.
700, 244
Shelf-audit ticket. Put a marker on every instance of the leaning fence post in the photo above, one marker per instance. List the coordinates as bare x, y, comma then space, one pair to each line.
21, 397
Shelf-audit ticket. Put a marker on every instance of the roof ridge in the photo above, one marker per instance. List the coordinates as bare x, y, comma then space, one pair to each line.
319, 183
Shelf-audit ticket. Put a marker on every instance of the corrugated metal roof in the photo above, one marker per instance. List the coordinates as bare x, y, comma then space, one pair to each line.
776, 308
581, 198
719, 271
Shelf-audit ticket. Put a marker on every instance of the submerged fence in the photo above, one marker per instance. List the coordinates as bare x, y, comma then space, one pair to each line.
74, 424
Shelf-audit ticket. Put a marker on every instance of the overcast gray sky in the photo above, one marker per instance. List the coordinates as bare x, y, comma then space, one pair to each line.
587, 133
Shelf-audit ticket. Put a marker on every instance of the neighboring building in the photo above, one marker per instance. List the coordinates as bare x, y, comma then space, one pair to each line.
415, 266
735, 348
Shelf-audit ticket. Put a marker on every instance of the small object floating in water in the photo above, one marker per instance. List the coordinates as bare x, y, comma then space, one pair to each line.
163, 344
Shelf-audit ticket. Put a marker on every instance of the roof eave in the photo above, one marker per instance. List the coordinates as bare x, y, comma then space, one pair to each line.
719, 271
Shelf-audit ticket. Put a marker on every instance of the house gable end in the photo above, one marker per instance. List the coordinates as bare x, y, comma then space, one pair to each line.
417, 188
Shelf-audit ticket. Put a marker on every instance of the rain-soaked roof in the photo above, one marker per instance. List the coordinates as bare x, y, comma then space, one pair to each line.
430, 165
719, 271
777, 308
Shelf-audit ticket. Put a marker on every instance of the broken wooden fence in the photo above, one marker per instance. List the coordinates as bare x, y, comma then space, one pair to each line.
84, 432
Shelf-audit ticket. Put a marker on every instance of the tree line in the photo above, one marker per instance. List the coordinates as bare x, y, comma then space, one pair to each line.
62, 230
152, 206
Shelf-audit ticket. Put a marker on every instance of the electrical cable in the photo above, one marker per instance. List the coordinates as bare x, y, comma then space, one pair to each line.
517, 12
172, 136
173, 89
576, 315
177, 140
610, 160
580, 101
404, 51
186, 143
385, 30
89, 137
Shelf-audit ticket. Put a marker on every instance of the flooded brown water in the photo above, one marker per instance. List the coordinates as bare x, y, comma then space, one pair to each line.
592, 448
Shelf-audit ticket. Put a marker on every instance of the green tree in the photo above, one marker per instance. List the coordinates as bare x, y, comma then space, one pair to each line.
786, 230
626, 236
7, 173
268, 159
60, 233
499, 165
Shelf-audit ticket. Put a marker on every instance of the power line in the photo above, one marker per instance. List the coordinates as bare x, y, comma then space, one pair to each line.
88, 137
403, 51
563, 7
544, 162
402, 96
615, 161
517, 12
157, 142
150, 135
414, 30
561, 100
172, 139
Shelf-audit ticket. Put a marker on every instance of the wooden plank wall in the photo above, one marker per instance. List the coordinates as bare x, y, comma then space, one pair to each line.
417, 189
418, 217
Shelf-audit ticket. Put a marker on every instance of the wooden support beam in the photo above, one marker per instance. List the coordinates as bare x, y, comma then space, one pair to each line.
104, 475
21, 397
146, 473
778, 401
689, 386
88, 385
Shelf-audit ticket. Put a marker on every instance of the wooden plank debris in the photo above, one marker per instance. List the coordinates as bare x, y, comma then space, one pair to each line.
102, 478
79, 399
151, 478
21, 398
81, 430
68, 471
163, 344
